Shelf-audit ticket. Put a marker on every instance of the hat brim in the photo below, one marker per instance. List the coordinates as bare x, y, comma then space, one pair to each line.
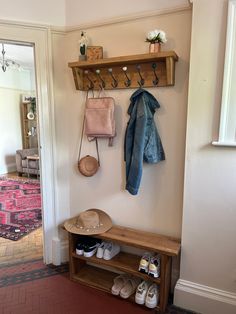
105, 224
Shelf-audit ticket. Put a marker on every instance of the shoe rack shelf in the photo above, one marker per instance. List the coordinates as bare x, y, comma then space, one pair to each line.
99, 273
143, 70
125, 262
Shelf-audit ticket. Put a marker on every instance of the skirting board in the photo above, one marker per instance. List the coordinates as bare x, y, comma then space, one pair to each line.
203, 299
60, 251
10, 167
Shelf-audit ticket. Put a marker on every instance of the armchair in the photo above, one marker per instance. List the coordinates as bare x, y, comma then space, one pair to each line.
29, 166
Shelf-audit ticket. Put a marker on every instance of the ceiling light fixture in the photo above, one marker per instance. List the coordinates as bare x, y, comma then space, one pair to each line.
8, 62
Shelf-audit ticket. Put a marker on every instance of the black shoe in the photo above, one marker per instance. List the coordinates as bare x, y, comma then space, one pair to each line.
86, 245
91, 248
80, 245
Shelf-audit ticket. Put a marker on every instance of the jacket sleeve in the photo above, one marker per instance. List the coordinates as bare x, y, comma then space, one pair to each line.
135, 167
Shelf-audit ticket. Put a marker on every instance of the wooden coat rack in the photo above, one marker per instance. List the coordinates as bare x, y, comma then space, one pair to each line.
145, 70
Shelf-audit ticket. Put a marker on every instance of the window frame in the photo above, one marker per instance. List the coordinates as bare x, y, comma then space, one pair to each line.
225, 139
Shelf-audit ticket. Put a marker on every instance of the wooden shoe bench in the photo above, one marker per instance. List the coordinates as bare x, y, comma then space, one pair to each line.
97, 276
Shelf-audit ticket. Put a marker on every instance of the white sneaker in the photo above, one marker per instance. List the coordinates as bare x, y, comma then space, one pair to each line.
144, 262
111, 250
154, 266
152, 297
141, 292
101, 248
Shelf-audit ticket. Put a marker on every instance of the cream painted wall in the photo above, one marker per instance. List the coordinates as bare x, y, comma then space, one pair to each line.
74, 12
79, 11
32, 11
12, 85
209, 216
158, 206
10, 128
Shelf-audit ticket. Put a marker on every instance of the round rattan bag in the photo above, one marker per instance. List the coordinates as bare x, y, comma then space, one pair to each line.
88, 166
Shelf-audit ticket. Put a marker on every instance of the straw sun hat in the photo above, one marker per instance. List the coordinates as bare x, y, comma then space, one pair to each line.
91, 221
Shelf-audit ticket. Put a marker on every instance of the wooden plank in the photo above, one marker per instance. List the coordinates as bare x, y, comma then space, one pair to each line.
85, 72
124, 60
141, 239
170, 71
125, 262
95, 277
145, 70
165, 284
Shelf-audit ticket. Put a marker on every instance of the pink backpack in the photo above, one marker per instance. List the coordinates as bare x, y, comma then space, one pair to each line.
99, 118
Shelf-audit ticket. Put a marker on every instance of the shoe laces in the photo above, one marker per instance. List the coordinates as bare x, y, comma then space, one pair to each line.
152, 292
146, 256
109, 246
155, 260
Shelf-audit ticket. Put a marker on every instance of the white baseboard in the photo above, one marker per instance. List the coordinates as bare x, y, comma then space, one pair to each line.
10, 167
203, 299
60, 251
64, 252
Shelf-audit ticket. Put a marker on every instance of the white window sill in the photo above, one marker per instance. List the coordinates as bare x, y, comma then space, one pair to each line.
229, 144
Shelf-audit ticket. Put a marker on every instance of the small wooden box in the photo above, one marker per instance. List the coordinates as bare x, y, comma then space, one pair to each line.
94, 53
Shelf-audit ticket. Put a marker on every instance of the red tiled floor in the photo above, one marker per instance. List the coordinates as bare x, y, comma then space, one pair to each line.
59, 295
21, 267
33, 288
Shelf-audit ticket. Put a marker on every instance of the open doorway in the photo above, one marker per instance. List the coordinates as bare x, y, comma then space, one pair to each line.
40, 38
21, 235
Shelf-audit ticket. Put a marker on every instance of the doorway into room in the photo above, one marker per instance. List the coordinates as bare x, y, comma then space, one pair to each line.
39, 37
21, 233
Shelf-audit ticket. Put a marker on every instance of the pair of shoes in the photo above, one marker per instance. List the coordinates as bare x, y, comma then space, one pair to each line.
107, 250
87, 246
147, 293
150, 265
125, 285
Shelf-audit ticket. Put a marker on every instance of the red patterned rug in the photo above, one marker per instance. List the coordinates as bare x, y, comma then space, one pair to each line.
20, 208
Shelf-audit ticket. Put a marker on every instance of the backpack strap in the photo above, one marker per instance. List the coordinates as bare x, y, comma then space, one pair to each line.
82, 135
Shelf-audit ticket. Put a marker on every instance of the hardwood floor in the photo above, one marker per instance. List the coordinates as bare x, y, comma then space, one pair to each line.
14, 175
28, 248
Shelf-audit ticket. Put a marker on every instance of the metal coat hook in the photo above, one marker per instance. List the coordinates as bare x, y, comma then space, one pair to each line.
91, 85
102, 81
115, 83
128, 81
156, 81
142, 81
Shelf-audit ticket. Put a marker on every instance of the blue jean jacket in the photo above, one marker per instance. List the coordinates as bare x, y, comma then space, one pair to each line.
142, 141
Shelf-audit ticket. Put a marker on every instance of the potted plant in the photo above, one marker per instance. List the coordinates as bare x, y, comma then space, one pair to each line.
156, 38
83, 42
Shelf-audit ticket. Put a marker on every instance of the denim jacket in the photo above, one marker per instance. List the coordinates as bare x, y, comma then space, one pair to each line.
142, 141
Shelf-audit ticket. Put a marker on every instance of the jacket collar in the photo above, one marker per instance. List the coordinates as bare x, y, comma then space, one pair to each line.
152, 102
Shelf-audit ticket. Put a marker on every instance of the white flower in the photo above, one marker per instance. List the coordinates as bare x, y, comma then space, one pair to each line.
151, 35
156, 36
162, 36
156, 31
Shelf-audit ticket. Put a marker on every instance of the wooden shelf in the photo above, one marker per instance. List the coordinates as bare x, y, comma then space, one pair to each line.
26, 125
124, 60
102, 278
32, 120
99, 279
165, 70
95, 277
124, 262
145, 240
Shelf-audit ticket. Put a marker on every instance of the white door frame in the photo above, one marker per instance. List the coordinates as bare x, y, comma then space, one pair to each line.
40, 37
